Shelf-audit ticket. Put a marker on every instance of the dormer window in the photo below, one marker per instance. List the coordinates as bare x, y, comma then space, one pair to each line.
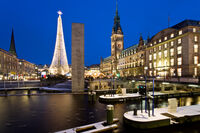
150, 44
180, 32
159, 40
172, 35
194, 30
165, 38
154, 42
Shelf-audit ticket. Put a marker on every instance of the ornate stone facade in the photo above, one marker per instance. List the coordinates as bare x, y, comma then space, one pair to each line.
12, 67
174, 52
171, 53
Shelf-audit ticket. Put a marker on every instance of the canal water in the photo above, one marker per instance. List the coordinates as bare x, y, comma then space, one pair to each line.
55, 112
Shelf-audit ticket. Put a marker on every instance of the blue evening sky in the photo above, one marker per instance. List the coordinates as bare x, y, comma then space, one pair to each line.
35, 23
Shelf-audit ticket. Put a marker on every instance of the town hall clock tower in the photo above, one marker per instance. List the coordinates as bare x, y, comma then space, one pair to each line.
117, 42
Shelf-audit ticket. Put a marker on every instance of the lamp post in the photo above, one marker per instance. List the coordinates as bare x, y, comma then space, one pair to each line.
145, 70
153, 95
18, 80
4, 84
113, 79
153, 99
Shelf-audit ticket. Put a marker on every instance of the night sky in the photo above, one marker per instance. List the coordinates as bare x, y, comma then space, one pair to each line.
35, 23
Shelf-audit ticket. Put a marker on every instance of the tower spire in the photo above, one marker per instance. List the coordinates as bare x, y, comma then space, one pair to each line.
141, 41
116, 8
148, 38
141, 36
117, 27
12, 49
168, 20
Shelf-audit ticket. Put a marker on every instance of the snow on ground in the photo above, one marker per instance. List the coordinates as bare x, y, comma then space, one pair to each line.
98, 127
116, 96
128, 95
143, 117
181, 112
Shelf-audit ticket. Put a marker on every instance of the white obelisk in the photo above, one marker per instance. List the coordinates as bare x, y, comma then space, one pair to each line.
59, 64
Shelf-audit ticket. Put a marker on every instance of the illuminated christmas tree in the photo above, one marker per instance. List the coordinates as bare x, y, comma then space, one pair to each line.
59, 64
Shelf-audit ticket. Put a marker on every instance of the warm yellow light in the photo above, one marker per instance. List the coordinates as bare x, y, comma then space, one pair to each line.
60, 13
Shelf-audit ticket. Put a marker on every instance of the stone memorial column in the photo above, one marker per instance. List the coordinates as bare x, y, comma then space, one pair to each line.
77, 57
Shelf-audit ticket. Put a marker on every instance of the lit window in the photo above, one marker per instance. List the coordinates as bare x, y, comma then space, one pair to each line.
179, 50
172, 72
195, 71
165, 38
180, 32
150, 44
150, 51
195, 48
172, 35
154, 64
195, 59
165, 53
154, 73
179, 61
150, 73
159, 40
150, 65
154, 56
179, 41
165, 62
150, 57
154, 49
172, 43
165, 45
159, 64
194, 30
160, 54
142, 62
172, 62
171, 52
179, 70
195, 38
154, 42
160, 47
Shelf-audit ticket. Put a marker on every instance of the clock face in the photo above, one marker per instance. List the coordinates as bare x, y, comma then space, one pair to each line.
119, 45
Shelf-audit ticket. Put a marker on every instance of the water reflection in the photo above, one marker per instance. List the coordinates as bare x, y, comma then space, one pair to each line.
49, 113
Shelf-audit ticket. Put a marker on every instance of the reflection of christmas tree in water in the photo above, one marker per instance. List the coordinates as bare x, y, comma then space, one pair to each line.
59, 64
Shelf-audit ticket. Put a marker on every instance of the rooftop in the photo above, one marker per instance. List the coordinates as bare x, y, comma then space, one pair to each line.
186, 23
